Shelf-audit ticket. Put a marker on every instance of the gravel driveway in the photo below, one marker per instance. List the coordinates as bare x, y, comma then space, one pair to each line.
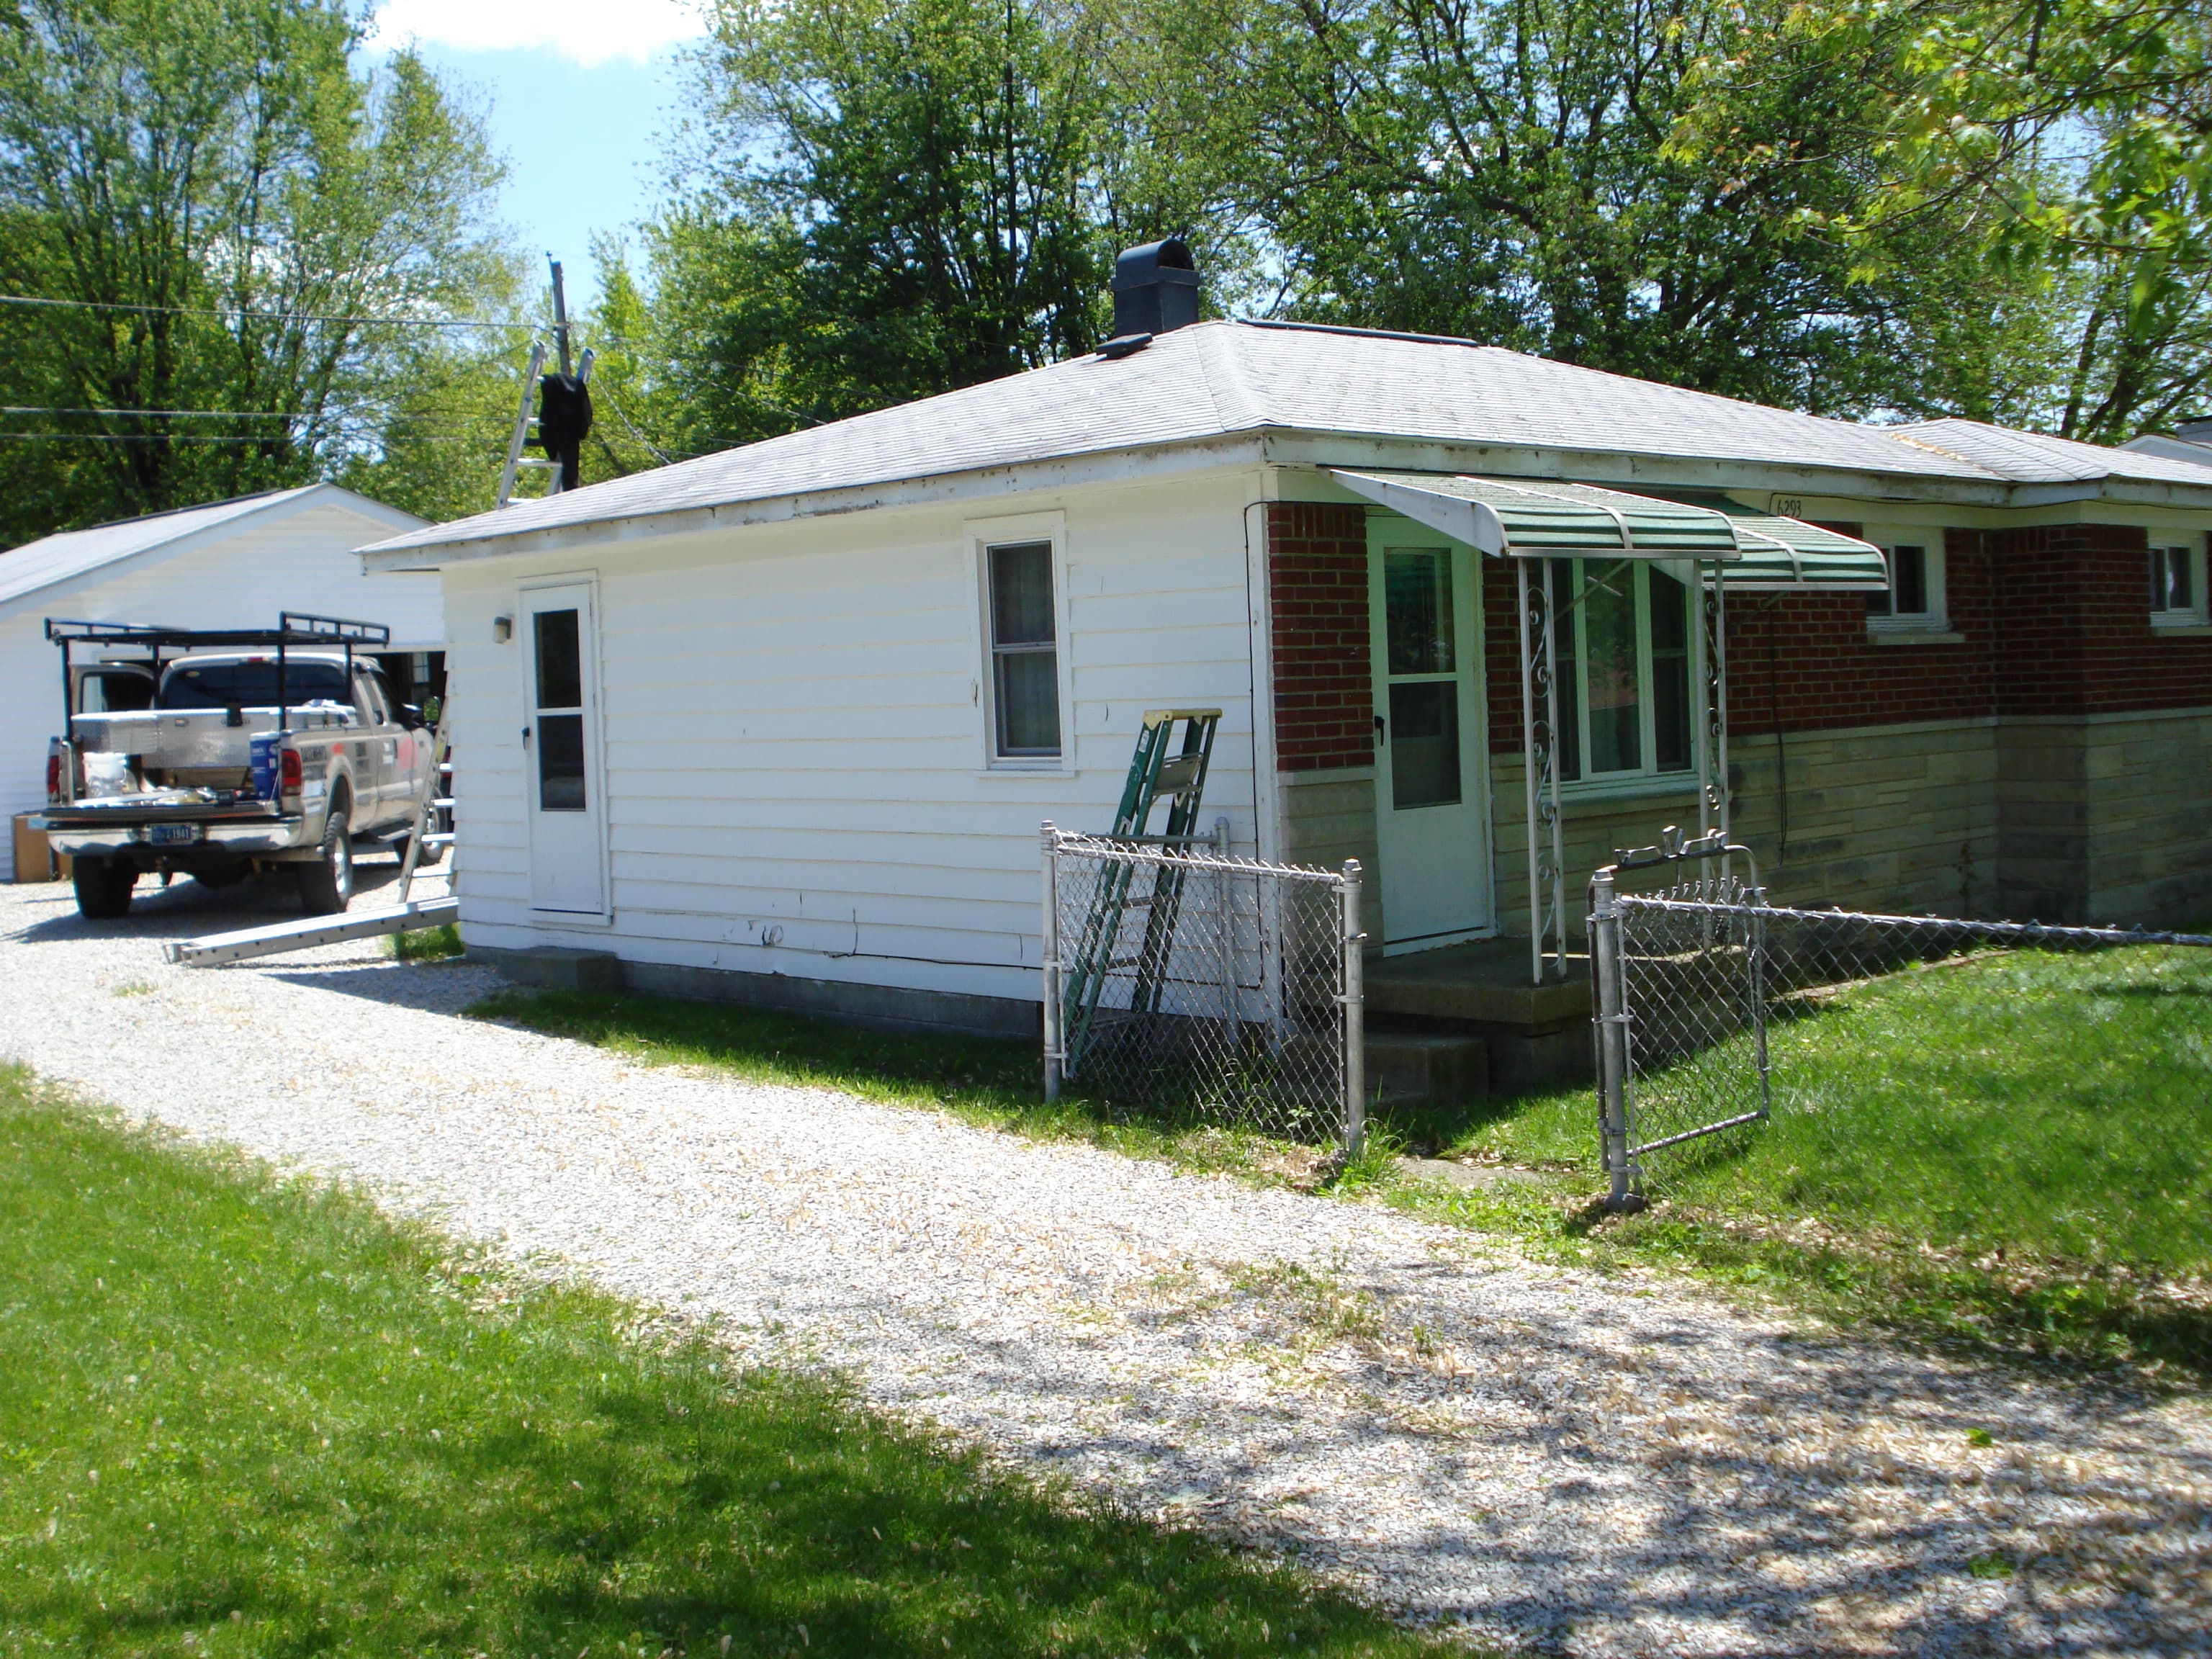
1555, 1460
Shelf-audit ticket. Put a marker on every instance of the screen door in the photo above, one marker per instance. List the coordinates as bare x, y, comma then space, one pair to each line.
1429, 827
561, 745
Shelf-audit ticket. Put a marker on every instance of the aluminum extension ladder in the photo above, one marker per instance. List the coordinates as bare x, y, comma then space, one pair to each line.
1158, 770
404, 918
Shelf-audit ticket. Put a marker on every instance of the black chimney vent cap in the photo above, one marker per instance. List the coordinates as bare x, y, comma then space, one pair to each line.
1155, 289
1165, 261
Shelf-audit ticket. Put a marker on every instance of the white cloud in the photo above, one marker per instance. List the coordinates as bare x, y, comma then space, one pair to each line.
589, 31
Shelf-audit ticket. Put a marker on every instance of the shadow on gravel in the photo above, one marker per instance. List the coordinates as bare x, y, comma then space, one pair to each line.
185, 907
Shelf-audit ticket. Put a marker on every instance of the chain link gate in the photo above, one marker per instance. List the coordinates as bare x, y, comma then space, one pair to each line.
1699, 985
1182, 979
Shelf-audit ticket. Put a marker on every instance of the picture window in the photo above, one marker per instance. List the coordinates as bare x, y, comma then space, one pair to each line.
1622, 656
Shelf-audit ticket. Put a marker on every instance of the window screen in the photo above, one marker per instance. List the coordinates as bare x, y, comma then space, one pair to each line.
1024, 652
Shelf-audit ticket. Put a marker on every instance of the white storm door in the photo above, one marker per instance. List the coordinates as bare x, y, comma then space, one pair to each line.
1431, 825
561, 751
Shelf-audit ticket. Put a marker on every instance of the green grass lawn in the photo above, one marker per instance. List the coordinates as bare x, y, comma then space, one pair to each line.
240, 1416
2010, 1149
2020, 1143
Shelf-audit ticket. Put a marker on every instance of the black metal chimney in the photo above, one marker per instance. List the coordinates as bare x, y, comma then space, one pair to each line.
1155, 289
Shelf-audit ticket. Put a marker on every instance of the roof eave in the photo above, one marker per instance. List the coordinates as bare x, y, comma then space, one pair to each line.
978, 483
1281, 446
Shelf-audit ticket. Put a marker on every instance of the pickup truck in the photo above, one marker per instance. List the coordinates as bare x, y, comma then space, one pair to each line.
251, 749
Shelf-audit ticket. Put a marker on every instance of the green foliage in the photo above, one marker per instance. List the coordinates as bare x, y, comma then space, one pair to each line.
427, 944
2068, 143
246, 1417
2009, 1149
1506, 173
889, 199
220, 198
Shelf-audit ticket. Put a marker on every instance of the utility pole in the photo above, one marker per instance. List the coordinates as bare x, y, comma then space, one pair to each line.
570, 398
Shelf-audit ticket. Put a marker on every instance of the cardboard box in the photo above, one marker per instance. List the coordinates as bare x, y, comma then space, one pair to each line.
34, 860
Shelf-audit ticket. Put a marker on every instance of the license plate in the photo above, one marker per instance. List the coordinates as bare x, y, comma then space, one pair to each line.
172, 835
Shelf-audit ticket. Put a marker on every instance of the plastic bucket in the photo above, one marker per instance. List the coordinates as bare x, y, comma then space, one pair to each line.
265, 747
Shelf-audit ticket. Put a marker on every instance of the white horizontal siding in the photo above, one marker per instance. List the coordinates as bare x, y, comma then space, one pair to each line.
31, 692
794, 735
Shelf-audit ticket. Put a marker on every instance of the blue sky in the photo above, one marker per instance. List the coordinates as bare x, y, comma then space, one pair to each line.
577, 96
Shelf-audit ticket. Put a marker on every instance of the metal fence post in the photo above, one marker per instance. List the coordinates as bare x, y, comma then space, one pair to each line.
1047, 839
1355, 1014
1225, 898
1612, 1042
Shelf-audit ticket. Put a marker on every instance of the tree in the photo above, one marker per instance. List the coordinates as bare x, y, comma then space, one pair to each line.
1507, 172
887, 198
222, 215
2067, 142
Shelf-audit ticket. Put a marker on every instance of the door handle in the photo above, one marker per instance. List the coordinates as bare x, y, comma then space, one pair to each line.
1382, 729
525, 737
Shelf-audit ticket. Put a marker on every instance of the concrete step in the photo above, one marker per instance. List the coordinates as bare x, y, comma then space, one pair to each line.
1427, 1069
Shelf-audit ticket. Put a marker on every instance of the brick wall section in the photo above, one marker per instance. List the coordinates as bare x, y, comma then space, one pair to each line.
2056, 620
2076, 637
1317, 598
1803, 660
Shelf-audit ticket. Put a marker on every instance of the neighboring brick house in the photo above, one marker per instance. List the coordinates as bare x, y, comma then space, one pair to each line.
818, 692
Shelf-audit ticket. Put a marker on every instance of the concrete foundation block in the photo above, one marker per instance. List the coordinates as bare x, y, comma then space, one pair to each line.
1427, 1069
555, 967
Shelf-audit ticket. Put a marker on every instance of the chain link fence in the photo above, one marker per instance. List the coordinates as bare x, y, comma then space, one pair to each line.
1703, 987
1186, 983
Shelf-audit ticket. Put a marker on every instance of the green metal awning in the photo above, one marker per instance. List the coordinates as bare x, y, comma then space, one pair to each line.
1528, 519
1787, 554
1545, 520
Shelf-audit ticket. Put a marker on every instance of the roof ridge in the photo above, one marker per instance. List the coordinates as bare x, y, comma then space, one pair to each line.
178, 511
1212, 371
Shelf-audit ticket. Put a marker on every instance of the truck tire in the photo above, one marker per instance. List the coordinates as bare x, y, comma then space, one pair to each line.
326, 884
103, 887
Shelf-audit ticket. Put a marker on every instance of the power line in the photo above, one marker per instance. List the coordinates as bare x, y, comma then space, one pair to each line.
368, 412
263, 316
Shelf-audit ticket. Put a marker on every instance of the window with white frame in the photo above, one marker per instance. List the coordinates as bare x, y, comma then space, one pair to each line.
1621, 641
1914, 597
2177, 585
1025, 648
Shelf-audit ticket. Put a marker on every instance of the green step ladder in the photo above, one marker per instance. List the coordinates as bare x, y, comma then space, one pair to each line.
1158, 770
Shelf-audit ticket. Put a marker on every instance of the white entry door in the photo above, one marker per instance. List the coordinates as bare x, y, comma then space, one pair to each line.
561, 749
1429, 752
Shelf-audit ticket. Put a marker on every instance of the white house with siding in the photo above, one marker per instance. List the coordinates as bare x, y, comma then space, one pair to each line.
230, 564
781, 724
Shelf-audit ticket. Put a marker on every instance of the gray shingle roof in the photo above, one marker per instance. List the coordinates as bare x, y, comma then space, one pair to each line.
1220, 379
2033, 458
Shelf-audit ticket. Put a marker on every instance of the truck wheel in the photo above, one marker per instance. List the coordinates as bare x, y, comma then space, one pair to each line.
103, 887
326, 885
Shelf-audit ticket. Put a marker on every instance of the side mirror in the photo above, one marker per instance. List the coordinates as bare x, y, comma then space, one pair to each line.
411, 714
